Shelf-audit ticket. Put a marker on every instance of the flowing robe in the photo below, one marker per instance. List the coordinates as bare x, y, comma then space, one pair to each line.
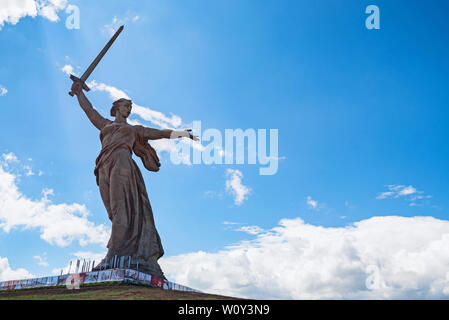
125, 197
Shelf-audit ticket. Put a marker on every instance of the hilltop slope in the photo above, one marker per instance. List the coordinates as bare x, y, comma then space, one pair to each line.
106, 292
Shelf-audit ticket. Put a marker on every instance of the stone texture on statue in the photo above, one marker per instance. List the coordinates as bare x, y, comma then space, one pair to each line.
122, 187
120, 181
124, 195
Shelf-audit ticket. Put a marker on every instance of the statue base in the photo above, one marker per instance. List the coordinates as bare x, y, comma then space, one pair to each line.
150, 267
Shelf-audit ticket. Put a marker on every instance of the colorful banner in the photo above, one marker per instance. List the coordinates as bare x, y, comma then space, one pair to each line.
11, 285
157, 282
131, 275
144, 278
21, 284
119, 275
91, 277
104, 276
62, 279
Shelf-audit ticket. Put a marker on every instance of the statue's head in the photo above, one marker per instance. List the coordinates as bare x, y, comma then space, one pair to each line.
121, 106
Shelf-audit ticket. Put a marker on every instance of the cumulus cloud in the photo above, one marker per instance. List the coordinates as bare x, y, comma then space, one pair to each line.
59, 224
379, 258
11, 11
49, 9
7, 273
235, 187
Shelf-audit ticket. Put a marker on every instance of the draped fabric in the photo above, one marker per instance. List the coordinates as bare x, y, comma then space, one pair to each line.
125, 197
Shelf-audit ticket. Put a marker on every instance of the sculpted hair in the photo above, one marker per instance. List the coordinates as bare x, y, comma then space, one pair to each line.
116, 103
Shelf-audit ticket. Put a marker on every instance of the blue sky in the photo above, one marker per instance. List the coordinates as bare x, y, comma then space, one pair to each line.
359, 113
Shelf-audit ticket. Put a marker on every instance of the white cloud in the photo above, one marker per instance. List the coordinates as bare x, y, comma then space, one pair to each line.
3, 91
11, 11
250, 229
112, 27
68, 69
230, 223
29, 170
396, 191
378, 258
9, 157
313, 204
49, 9
155, 117
6, 273
41, 261
59, 224
409, 193
407, 190
114, 93
235, 187
163, 145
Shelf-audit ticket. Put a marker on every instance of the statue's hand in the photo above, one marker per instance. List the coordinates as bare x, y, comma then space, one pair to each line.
190, 136
77, 88
184, 134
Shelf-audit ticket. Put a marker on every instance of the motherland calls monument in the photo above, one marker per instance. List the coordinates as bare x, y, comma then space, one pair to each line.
120, 181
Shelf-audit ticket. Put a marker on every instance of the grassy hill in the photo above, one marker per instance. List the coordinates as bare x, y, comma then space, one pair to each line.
114, 291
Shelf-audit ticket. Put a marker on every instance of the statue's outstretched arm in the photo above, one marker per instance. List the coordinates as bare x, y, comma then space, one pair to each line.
154, 134
97, 120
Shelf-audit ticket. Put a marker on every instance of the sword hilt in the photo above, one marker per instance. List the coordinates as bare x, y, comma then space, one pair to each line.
76, 79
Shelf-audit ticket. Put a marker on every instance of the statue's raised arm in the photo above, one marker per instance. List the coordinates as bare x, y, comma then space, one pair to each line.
97, 120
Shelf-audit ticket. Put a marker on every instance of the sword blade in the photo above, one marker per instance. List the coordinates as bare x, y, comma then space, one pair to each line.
92, 66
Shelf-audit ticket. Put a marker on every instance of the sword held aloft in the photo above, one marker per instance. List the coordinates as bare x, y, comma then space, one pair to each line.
92, 66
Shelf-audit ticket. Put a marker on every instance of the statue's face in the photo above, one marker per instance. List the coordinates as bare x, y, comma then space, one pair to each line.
125, 109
